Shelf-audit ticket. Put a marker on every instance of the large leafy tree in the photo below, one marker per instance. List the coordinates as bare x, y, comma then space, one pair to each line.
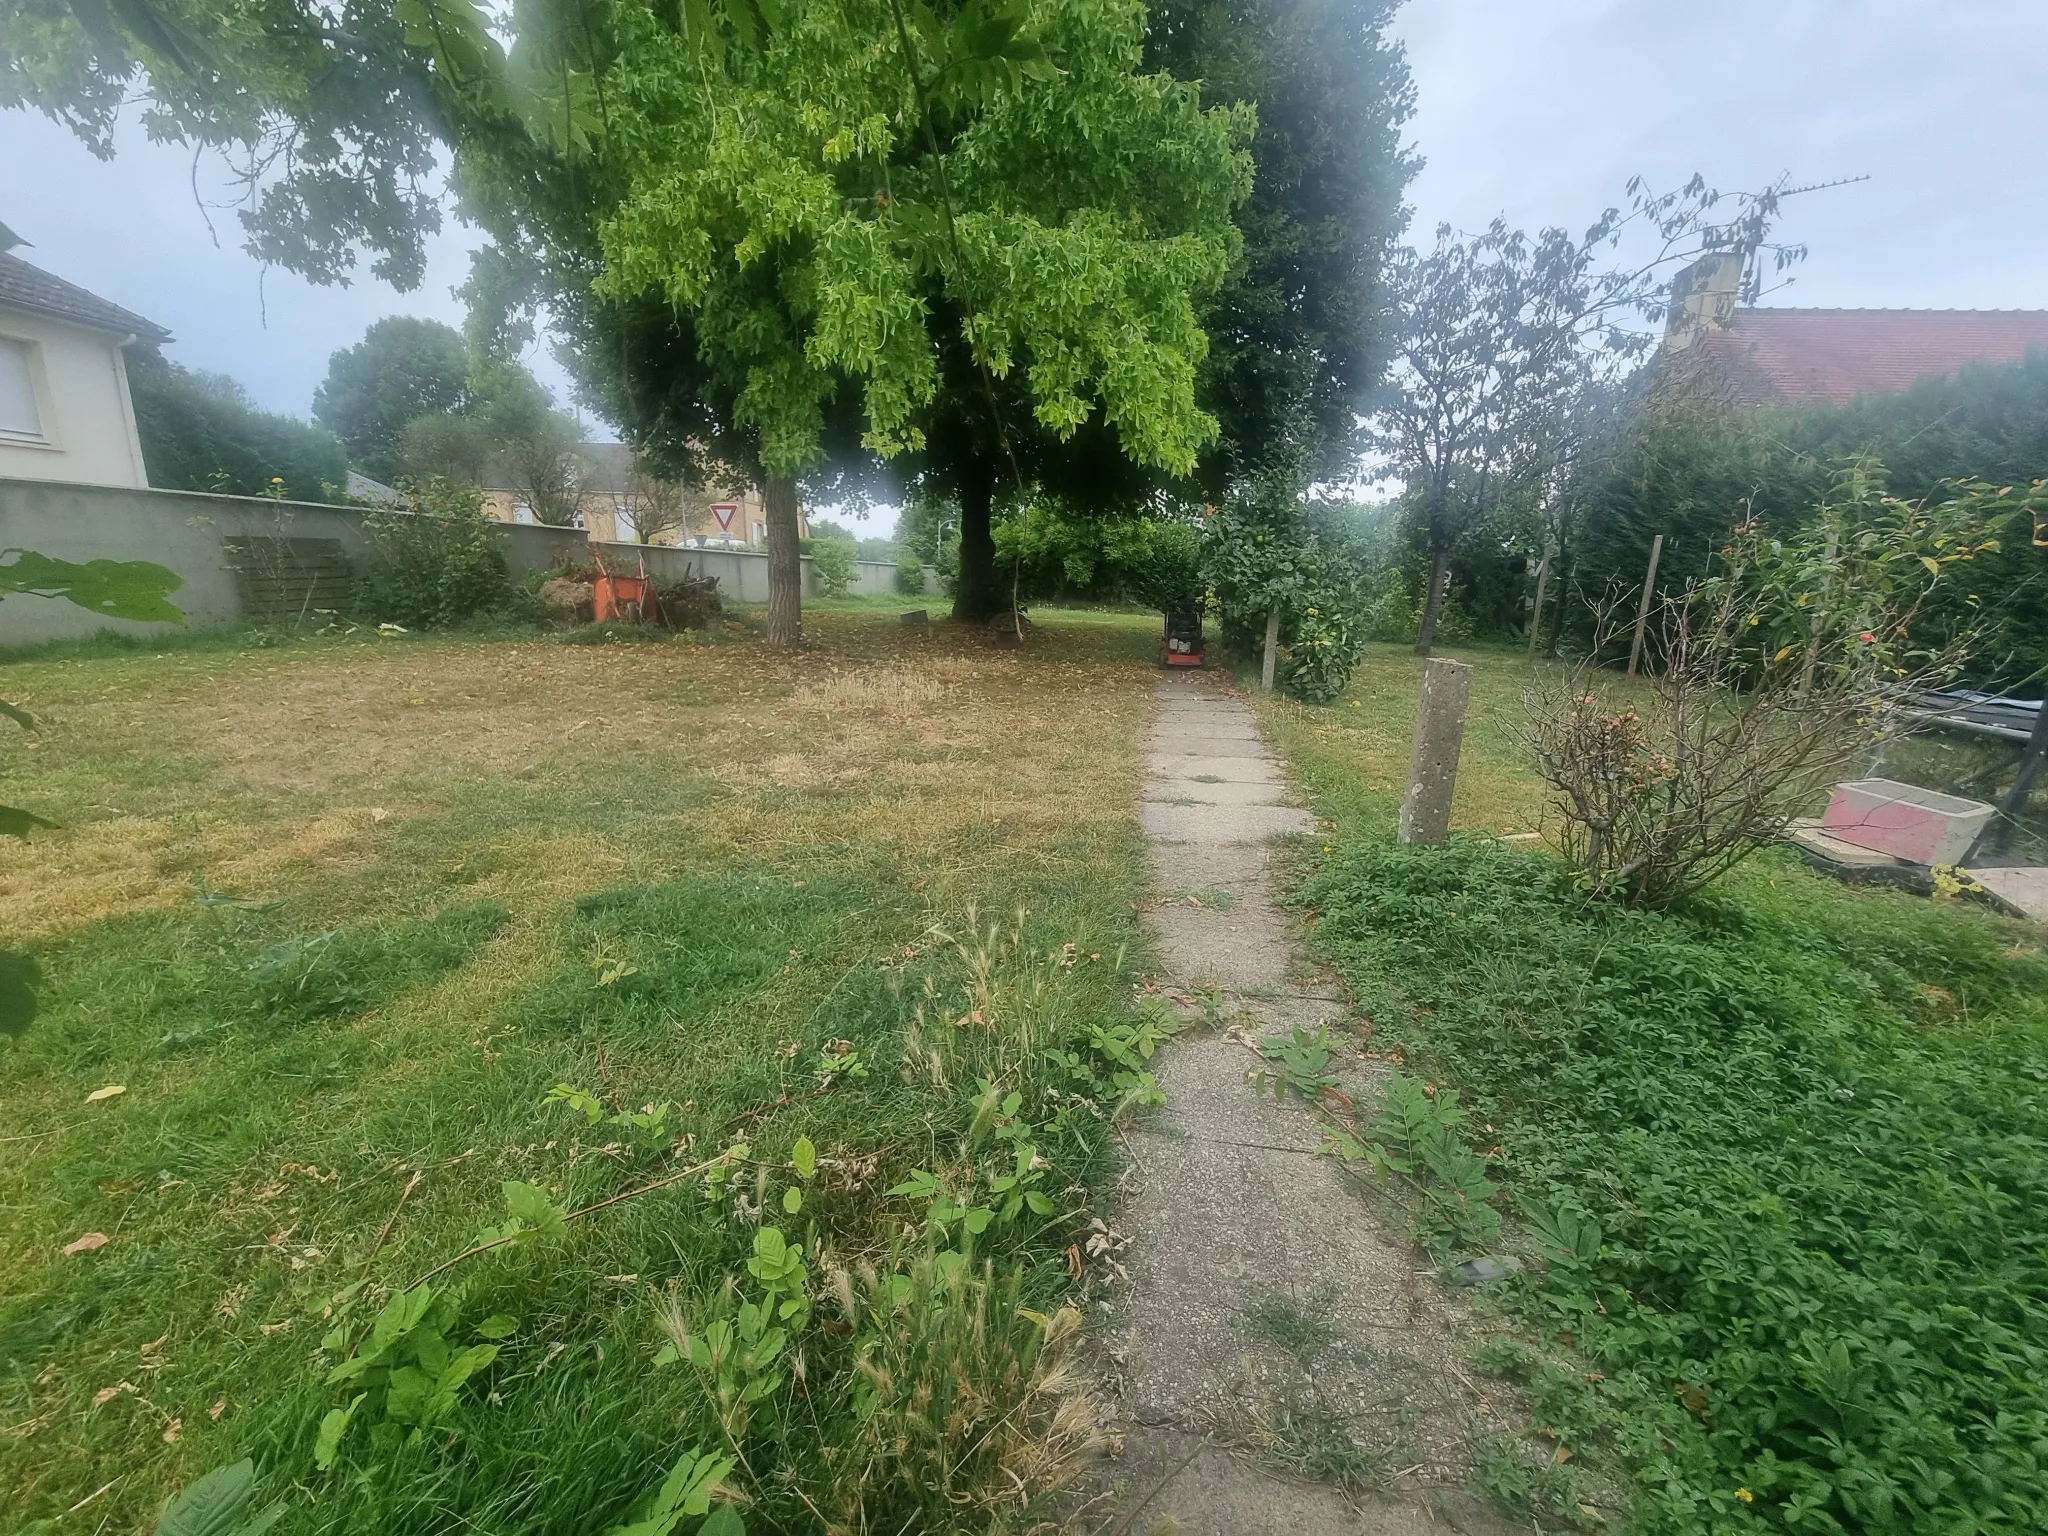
402, 368
992, 226
1300, 335
773, 227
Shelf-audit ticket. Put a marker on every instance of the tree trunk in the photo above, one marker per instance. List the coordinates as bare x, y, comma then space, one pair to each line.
1556, 635
785, 568
976, 597
1433, 601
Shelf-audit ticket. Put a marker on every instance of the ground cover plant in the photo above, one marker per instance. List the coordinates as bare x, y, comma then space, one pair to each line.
1773, 1159
400, 947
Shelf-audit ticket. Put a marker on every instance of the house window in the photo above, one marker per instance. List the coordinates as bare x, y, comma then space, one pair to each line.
19, 415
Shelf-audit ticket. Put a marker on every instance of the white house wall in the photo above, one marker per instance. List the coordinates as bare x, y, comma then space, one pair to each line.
82, 396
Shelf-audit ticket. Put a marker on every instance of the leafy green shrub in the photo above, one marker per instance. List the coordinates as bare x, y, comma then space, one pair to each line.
437, 562
1265, 552
405, 1378
831, 564
1781, 1155
909, 573
1689, 463
1171, 578
1323, 651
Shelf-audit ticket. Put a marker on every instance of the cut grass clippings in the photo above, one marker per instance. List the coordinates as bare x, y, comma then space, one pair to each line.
337, 915
1780, 1158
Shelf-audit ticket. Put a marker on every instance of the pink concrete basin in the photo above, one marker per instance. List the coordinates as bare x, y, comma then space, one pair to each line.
1904, 820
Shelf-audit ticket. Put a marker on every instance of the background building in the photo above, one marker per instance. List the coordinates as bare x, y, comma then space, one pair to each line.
617, 500
65, 410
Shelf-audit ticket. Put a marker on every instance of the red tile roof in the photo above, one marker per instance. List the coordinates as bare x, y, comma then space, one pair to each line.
1799, 356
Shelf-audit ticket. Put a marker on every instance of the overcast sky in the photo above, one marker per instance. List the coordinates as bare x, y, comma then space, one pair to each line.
1538, 109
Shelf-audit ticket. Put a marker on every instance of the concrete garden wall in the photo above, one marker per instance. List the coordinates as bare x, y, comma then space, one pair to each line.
190, 533
183, 530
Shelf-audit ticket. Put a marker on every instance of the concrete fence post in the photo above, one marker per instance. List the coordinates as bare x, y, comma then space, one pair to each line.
1542, 591
1433, 764
1635, 651
1272, 649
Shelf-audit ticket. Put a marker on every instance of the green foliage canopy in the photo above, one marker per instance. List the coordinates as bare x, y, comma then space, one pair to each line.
823, 194
403, 367
1298, 334
1054, 551
196, 437
1265, 551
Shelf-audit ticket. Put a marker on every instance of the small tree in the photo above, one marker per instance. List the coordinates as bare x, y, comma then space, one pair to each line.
533, 445
831, 564
660, 505
1788, 661
1499, 335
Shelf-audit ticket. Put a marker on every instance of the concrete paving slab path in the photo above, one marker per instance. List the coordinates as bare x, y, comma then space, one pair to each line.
1213, 789
1232, 1215
1248, 769
2022, 888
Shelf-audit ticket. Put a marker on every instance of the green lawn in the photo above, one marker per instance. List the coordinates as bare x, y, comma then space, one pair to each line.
1777, 1160
336, 915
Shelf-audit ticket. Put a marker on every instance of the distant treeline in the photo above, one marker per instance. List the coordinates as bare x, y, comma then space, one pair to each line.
1679, 461
201, 432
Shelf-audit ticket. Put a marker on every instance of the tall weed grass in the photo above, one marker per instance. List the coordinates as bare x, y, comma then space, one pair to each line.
824, 1041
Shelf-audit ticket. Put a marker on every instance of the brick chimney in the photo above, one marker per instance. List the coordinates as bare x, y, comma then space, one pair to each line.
1703, 299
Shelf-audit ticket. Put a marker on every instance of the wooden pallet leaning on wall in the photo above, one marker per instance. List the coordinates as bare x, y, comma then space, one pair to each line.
290, 579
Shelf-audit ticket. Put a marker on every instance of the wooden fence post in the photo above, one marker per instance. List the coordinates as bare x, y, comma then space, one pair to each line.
1433, 764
